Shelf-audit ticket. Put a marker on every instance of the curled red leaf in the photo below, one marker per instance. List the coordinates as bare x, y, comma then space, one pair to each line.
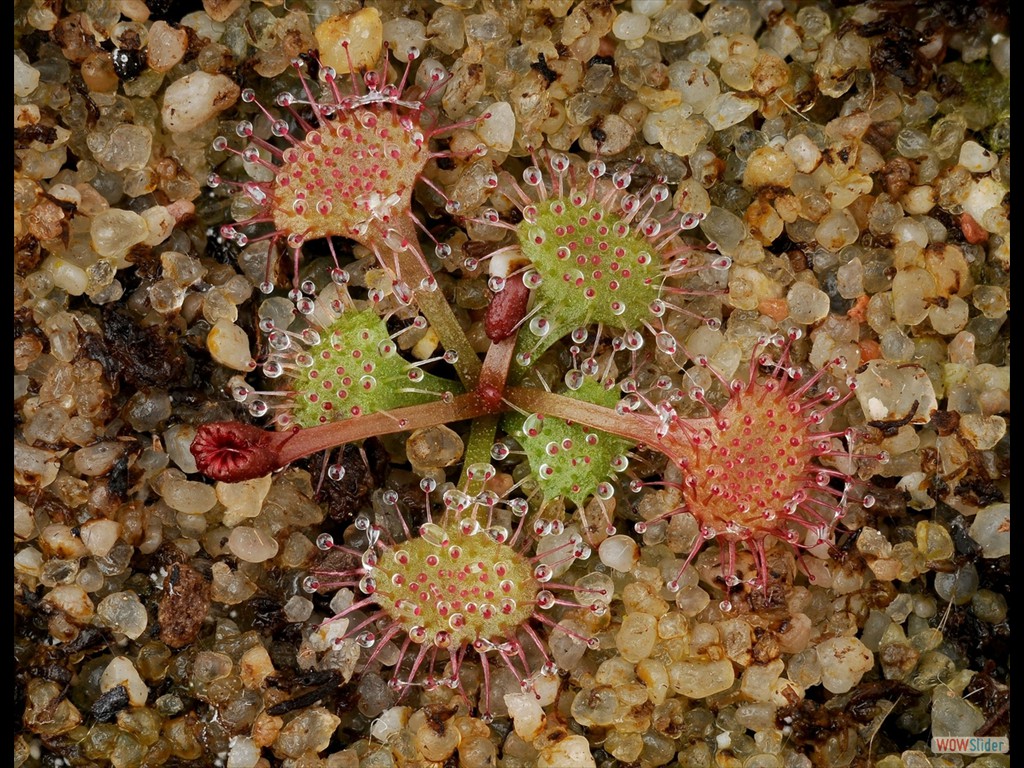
507, 309
231, 451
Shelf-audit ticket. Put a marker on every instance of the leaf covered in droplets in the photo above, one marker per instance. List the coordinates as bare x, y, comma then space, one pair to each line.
355, 369
592, 263
569, 459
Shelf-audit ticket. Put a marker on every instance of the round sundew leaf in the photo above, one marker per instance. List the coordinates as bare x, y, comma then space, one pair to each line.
755, 460
592, 267
763, 463
350, 174
465, 585
568, 459
356, 369
359, 167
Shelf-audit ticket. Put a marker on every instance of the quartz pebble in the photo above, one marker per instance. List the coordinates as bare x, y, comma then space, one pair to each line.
24, 521
221, 10
390, 723
991, 529
630, 26
952, 715
243, 753
253, 545
887, 391
26, 77
572, 750
67, 275
363, 33
807, 304
255, 666
624, 746
697, 679
844, 661
983, 432
160, 221
309, 731
29, 562
692, 600
100, 536
636, 636
128, 147
98, 459
210, 665
189, 496
768, 167
297, 609
919, 199
177, 442
724, 228
527, 714
121, 671
759, 682
498, 129
654, 675
195, 99
566, 650
959, 586
697, 84
147, 410
619, 552
73, 601
989, 606
242, 500
729, 109
35, 466
438, 446
47, 710
183, 270
403, 35
166, 47
934, 541
230, 587
674, 24
546, 689
229, 346
982, 196
912, 291
836, 230
675, 130
297, 551
115, 231
615, 136
436, 741
976, 159
804, 153
445, 29
749, 287
122, 612
850, 279
61, 542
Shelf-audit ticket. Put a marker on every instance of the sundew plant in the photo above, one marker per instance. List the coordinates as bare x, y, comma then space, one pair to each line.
599, 272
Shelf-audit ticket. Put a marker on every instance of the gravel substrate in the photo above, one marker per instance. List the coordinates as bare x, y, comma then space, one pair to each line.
841, 169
